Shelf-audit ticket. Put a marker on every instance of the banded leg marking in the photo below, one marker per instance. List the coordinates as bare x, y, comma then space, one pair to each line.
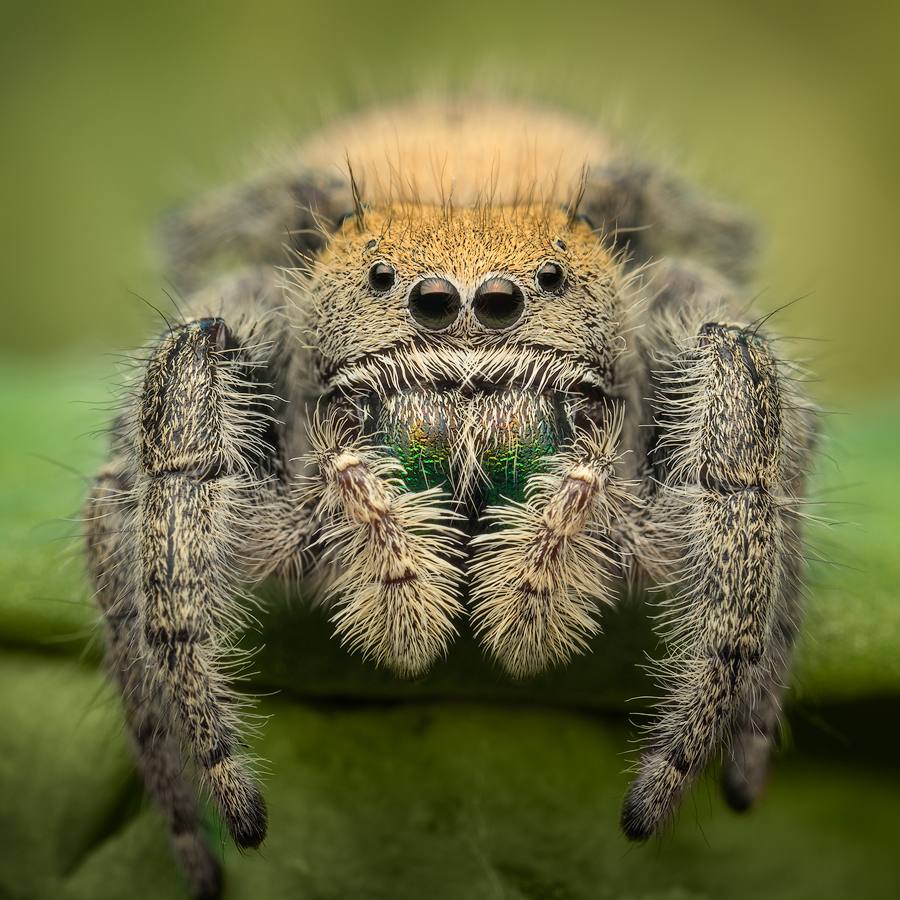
109, 533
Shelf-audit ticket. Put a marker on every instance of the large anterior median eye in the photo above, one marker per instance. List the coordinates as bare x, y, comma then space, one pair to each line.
434, 303
498, 303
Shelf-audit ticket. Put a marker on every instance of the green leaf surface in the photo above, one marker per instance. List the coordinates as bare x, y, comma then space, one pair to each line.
462, 786
421, 799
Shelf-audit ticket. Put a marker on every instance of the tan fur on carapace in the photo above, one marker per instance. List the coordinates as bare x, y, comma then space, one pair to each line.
468, 151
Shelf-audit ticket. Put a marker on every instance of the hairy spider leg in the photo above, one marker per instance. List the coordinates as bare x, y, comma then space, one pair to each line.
727, 490
173, 525
189, 490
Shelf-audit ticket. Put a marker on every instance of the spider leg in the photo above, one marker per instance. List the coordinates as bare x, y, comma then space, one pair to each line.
535, 575
727, 491
654, 215
197, 498
191, 483
399, 587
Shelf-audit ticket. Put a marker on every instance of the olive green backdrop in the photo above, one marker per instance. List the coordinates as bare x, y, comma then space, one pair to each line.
113, 112
465, 786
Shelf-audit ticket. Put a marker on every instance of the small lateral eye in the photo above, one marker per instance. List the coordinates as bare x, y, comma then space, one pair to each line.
550, 277
382, 277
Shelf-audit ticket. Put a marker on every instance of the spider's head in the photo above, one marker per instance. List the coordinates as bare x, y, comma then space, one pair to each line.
465, 335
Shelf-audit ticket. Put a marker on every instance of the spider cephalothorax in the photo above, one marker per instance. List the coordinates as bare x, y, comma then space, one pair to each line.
499, 392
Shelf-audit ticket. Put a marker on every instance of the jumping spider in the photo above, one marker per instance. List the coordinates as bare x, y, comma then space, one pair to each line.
476, 361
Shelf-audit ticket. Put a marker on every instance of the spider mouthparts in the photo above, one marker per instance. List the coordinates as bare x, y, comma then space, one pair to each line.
489, 442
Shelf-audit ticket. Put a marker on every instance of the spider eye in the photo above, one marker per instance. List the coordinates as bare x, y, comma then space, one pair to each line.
550, 277
434, 303
382, 277
498, 303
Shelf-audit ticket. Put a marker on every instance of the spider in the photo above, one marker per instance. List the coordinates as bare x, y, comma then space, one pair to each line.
458, 357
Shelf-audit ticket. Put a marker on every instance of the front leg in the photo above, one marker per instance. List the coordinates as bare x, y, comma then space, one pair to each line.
723, 503
197, 485
399, 586
194, 454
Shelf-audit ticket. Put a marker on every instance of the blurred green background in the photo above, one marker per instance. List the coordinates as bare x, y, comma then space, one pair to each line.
112, 113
